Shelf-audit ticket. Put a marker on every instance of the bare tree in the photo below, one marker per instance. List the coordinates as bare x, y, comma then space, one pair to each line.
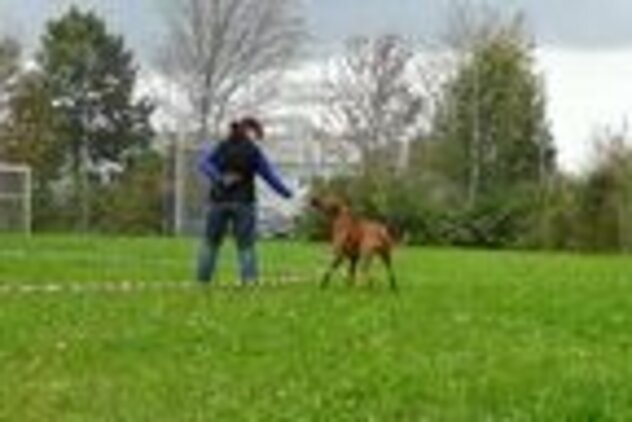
223, 53
376, 96
470, 25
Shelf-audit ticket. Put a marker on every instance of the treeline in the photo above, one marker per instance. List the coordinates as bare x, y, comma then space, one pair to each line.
453, 149
483, 171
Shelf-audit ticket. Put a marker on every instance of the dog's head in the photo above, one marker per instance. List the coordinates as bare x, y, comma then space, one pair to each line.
329, 205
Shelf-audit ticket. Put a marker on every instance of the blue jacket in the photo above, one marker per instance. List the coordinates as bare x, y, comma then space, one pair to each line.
232, 167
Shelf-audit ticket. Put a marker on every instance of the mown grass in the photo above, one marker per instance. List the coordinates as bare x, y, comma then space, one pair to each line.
471, 336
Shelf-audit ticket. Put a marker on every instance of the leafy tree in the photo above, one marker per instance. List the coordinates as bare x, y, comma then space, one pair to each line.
491, 143
134, 203
591, 211
91, 78
604, 199
27, 130
29, 137
10, 53
9, 68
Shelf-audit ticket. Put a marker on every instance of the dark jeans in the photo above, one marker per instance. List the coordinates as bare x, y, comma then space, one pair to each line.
241, 219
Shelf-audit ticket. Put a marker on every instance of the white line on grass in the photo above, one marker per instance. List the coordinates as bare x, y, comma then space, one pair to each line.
130, 287
89, 257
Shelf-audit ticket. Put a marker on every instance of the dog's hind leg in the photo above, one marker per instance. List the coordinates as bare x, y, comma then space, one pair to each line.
388, 263
353, 269
338, 260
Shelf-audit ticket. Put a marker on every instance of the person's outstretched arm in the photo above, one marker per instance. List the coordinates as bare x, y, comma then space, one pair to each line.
208, 165
265, 169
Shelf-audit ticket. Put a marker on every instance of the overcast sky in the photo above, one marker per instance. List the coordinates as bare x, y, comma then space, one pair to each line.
585, 45
571, 23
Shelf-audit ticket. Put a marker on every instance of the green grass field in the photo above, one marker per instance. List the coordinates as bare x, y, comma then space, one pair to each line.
472, 336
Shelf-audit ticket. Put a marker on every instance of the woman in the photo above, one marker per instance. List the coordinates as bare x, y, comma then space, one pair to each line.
232, 167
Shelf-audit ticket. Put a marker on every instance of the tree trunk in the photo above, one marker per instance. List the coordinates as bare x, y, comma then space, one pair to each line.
83, 189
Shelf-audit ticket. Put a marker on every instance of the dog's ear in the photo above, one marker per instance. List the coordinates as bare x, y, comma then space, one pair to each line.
340, 203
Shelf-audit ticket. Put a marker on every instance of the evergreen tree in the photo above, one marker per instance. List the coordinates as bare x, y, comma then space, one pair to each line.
28, 137
491, 140
493, 119
91, 77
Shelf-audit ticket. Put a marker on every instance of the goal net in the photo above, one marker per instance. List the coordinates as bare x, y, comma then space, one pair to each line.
15, 198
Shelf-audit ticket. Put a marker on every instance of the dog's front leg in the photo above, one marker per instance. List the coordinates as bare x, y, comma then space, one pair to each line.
338, 260
388, 264
367, 258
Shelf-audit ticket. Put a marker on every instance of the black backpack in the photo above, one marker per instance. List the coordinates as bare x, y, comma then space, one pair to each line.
236, 157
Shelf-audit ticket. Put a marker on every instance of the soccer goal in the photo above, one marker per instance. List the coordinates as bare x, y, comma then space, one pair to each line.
15, 198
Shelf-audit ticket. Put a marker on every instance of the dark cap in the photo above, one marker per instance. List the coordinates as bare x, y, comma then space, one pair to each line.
253, 124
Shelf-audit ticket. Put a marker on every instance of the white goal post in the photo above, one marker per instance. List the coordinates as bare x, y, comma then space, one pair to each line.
15, 198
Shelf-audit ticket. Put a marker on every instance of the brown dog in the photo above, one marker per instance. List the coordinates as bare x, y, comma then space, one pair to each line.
355, 240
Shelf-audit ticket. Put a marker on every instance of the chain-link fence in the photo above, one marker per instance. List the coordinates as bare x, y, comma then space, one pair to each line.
145, 222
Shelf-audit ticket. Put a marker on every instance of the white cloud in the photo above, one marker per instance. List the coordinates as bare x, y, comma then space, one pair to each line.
588, 90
